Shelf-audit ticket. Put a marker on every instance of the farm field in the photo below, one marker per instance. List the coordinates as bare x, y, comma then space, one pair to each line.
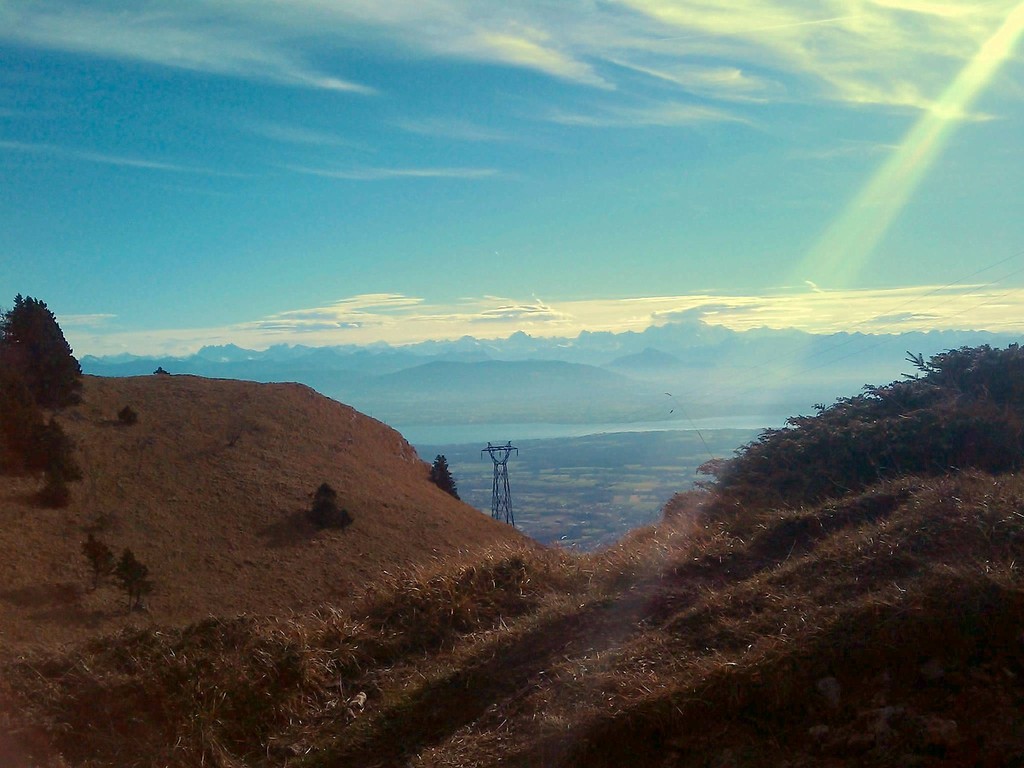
585, 492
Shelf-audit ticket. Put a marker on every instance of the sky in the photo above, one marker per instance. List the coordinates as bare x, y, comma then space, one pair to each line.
174, 174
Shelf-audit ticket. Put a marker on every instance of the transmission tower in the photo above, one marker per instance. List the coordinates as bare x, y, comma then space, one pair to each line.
501, 497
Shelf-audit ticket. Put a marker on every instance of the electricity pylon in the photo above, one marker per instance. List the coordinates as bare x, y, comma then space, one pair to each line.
501, 497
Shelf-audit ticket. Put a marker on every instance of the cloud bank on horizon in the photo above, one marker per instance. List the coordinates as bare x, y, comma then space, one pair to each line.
398, 320
173, 170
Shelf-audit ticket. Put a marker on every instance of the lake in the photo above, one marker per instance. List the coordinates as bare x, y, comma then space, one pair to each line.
481, 434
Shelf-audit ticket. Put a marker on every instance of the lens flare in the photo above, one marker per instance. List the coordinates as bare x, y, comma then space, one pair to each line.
843, 250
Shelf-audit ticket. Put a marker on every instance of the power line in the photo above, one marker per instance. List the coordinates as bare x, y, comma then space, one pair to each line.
501, 496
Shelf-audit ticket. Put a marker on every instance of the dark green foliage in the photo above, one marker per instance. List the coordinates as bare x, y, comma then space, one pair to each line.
966, 410
441, 476
56, 456
100, 557
127, 416
133, 577
325, 512
50, 450
33, 345
21, 425
37, 371
55, 493
160, 371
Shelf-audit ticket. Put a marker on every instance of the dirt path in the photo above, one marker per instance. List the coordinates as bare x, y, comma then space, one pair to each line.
501, 670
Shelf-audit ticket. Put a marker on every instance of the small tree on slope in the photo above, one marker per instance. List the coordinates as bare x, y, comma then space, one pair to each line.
100, 557
133, 577
325, 512
441, 476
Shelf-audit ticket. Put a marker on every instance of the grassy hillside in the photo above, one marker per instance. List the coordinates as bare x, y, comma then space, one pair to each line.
881, 630
209, 490
877, 626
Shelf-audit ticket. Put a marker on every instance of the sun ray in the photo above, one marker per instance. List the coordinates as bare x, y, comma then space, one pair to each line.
846, 246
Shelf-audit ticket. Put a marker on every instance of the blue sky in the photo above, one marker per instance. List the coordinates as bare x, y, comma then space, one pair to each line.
351, 171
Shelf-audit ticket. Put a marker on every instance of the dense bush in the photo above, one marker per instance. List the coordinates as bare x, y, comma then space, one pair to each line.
100, 557
133, 577
965, 409
37, 371
55, 493
128, 416
33, 345
21, 425
325, 512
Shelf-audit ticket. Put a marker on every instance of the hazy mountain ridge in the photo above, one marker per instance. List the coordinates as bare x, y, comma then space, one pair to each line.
711, 371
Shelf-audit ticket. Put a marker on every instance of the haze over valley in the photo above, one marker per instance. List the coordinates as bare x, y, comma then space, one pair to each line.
679, 374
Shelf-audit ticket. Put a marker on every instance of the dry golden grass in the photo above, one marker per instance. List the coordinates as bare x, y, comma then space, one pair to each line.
208, 489
879, 629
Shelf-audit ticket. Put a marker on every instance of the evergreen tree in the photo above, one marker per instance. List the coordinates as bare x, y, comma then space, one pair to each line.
325, 512
133, 577
127, 416
33, 345
100, 557
21, 425
441, 476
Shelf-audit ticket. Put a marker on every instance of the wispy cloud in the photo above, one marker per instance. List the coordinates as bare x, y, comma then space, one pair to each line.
386, 174
726, 83
182, 36
665, 115
356, 312
884, 53
97, 320
535, 312
880, 53
295, 134
445, 128
102, 158
522, 51
845, 148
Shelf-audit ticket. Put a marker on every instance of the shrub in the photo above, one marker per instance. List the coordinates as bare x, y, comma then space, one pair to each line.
100, 557
133, 578
127, 416
965, 412
57, 451
55, 493
21, 423
325, 512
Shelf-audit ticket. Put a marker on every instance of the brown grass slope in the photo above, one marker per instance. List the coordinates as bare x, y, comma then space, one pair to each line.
883, 629
209, 489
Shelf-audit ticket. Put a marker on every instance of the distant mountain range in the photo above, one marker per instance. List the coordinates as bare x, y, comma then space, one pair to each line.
681, 370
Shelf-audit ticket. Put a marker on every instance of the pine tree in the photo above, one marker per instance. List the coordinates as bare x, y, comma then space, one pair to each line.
33, 345
100, 557
133, 577
441, 476
21, 425
325, 512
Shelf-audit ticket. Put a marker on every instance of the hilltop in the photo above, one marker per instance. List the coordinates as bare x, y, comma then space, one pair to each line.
209, 490
865, 611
